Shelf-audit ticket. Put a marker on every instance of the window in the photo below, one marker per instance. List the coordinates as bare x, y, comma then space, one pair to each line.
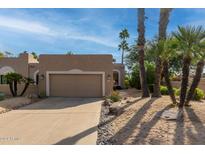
3, 79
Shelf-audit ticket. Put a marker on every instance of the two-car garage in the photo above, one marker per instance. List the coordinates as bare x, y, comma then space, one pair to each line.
75, 84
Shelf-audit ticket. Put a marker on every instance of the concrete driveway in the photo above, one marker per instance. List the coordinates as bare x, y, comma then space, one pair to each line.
52, 121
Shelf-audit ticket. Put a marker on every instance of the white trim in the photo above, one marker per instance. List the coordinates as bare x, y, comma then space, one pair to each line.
73, 71
119, 76
34, 76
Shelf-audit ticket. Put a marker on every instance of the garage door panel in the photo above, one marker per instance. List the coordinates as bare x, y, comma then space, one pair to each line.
76, 85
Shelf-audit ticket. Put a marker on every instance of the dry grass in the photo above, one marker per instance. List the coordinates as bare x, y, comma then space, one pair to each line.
141, 123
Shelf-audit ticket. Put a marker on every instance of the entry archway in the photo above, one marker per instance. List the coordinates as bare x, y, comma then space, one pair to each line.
116, 77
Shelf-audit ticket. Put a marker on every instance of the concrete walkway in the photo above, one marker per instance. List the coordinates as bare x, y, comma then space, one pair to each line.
52, 121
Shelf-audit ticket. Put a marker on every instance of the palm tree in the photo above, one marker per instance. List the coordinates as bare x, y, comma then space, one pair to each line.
163, 22
189, 39
165, 50
124, 35
141, 42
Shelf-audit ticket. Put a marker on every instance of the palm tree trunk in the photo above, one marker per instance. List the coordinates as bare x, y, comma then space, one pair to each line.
185, 80
25, 88
140, 43
122, 57
163, 22
162, 76
15, 88
158, 71
196, 80
168, 82
11, 88
143, 75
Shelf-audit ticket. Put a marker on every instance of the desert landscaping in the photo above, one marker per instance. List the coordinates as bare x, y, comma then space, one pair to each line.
141, 122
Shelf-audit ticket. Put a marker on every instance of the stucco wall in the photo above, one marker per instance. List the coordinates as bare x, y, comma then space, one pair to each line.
82, 62
32, 89
19, 64
33, 67
121, 68
177, 84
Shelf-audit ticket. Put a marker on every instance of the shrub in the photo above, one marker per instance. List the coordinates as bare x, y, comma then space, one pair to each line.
150, 68
164, 90
135, 76
2, 95
115, 97
127, 83
198, 94
177, 92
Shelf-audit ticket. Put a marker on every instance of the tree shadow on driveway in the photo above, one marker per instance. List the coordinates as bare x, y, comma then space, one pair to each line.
74, 139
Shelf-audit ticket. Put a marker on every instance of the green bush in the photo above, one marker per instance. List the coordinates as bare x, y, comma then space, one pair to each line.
177, 92
115, 97
134, 79
127, 83
198, 94
164, 90
150, 68
2, 96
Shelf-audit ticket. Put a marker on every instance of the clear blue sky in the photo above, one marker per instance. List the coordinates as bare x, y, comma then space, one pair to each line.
83, 31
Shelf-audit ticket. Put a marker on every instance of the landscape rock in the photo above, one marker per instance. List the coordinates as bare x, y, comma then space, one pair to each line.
107, 102
105, 131
172, 114
115, 108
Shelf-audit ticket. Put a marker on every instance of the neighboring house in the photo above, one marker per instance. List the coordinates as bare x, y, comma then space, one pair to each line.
66, 75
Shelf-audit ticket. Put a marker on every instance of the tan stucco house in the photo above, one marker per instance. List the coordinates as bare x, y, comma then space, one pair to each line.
65, 75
